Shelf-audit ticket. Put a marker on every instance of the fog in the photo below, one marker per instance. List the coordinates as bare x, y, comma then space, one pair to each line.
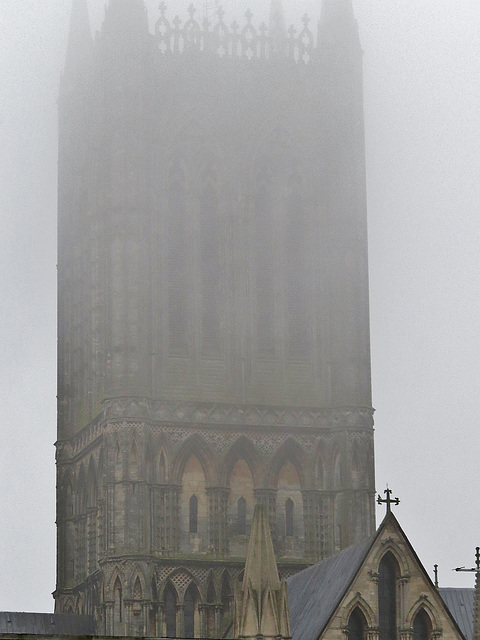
422, 96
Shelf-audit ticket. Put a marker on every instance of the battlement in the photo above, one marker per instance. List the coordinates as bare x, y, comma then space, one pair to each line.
245, 42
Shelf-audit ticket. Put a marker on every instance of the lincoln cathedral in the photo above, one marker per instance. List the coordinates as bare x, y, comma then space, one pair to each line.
213, 347
213, 337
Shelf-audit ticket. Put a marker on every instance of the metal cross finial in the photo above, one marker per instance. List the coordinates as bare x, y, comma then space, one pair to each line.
388, 500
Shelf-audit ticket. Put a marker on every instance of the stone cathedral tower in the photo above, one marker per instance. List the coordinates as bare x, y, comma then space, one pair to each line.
213, 348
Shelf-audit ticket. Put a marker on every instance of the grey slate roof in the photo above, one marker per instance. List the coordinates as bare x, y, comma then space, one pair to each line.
315, 593
46, 624
460, 603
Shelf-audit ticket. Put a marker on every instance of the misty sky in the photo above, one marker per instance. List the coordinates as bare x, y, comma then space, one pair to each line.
422, 101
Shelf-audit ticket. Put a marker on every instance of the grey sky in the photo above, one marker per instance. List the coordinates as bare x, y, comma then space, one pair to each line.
422, 97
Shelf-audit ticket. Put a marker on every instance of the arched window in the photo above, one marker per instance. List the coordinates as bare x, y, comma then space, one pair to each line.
388, 573
211, 268
118, 602
242, 516
357, 625
177, 252
193, 515
289, 508
170, 597
421, 626
189, 612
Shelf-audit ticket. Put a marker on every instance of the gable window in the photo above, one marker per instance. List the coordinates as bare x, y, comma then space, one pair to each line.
357, 625
388, 572
421, 626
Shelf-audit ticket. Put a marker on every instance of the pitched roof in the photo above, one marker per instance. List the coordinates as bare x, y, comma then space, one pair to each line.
460, 603
315, 593
46, 624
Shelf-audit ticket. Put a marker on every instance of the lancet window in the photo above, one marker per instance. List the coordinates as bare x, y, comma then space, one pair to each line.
189, 606
178, 304
357, 625
170, 598
211, 269
421, 626
388, 572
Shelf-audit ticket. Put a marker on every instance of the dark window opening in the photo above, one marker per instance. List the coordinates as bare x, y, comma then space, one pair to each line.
421, 626
193, 515
387, 597
189, 613
357, 625
171, 611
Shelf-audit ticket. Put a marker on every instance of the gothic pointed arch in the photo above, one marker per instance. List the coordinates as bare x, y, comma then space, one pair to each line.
358, 602
211, 593
357, 625
195, 446
241, 449
422, 605
191, 616
118, 606
389, 546
422, 625
170, 600
388, 574
136, 580
289, 452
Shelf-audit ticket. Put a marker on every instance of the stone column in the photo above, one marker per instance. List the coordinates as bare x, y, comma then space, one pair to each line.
313, 514
109, 630
217, 519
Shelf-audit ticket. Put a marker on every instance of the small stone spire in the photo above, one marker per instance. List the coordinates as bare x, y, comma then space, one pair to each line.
80, 43
277, 30
261, 601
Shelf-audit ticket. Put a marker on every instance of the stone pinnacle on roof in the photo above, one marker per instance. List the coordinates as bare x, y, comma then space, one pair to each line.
261, 601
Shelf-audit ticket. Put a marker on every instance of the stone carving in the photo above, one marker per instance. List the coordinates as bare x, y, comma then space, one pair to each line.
244, 43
